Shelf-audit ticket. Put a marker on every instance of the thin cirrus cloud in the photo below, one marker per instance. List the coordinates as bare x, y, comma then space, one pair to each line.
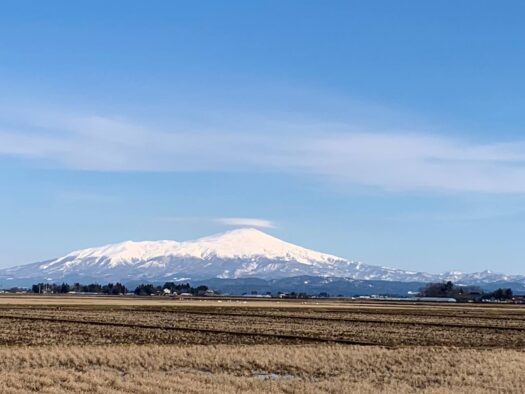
394, 161
246, 222
226, 221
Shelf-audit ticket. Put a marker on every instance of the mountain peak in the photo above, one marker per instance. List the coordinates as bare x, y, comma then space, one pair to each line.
250, 242
240, 234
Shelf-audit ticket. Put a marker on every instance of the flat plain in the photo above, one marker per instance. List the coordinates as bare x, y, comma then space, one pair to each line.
163, 344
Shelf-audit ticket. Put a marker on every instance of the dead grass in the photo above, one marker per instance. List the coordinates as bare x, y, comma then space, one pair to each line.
259, 368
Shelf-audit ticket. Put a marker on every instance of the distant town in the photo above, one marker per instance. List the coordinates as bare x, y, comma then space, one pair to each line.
433, 292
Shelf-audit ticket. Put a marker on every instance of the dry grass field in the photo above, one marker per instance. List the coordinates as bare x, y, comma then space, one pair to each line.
121, 345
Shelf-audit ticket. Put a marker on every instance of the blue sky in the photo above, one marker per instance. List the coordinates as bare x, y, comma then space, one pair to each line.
385, 132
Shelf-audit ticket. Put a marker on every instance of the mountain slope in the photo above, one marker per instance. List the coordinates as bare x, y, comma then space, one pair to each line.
241, 253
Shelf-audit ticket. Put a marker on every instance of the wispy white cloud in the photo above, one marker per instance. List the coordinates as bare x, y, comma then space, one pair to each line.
246, 222
402, 161
227, 221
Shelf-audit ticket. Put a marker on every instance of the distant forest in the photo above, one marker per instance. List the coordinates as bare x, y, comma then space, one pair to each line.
465, 293
118, 289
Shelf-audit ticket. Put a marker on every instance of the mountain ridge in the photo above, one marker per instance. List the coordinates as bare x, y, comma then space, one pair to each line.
240, 253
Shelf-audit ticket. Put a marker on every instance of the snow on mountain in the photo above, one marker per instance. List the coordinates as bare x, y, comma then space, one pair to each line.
239, 253
480, 277
249, 244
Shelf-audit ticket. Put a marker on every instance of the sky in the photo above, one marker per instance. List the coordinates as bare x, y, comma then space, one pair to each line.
390, 133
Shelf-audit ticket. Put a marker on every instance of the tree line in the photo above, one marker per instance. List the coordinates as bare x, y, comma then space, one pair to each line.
171, 288
465, 293
109, 289
119, 289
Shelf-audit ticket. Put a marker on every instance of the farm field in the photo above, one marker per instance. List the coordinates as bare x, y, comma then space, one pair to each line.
146, 345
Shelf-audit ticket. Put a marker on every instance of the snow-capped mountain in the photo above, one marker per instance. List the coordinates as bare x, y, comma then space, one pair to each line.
241, 253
